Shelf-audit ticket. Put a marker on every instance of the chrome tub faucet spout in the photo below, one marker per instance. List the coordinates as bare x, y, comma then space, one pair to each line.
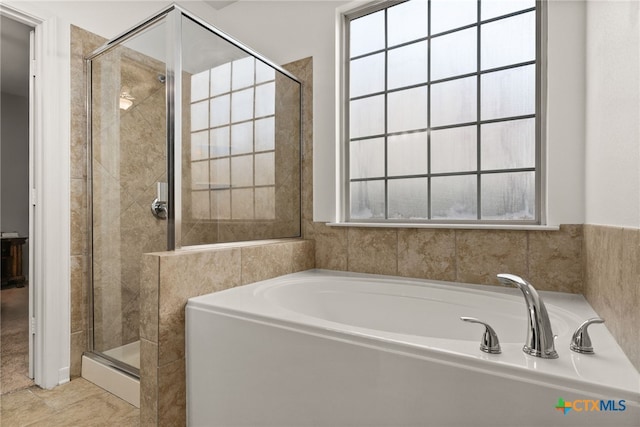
540, 338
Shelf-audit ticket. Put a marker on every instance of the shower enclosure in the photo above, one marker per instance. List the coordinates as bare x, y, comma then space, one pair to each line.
193, 139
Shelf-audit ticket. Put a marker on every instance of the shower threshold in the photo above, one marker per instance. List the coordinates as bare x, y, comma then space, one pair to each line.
128, 353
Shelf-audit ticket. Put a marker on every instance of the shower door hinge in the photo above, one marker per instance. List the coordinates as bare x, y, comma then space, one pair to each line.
33, 326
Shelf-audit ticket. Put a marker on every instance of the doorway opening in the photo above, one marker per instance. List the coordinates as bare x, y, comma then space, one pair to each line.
16, 291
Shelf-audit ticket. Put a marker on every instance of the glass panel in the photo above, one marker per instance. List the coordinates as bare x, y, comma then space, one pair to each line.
366, 158
407, 65
509, 145
242, 123
407, 22
265, 134
200, 145
454, 102
221, 79
407, 110
454, 197
200, 86
508, 41
509, 93
366, 117
454, 150
366, 75
220, 173
265, 100
128, 157
449, 14
219, 141
408, 198
508, 196
242, 171
366, 34
200, 175
408, 154
242, 138
493, 8
454, 54
242, 73
367, 200
199, 115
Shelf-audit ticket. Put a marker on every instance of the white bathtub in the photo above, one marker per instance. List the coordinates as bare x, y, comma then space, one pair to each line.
324, 348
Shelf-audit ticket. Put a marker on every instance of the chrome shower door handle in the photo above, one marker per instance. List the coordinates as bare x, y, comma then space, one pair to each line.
159, 204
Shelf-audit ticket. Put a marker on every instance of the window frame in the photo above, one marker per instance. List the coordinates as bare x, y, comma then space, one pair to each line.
344, 179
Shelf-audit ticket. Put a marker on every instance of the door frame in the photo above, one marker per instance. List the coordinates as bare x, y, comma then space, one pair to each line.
49, 175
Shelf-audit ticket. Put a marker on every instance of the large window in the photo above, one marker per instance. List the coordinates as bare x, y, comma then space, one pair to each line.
442, 112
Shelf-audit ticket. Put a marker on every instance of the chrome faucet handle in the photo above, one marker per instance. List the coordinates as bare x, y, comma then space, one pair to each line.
581, 341
490, 343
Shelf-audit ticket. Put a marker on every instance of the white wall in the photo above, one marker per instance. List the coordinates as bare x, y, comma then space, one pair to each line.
613, 113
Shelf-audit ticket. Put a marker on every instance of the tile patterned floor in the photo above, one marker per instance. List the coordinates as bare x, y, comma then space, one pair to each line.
77, 403
14, 335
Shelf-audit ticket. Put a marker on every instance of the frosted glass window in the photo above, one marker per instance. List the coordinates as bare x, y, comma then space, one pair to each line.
454, 150
454, 197
408, 154
366, 75
221, 79
242, 73
221, 204
408, 198
200, 145
366, 116
509, 145
200, 204
219, 141
265, 169
242, 105
407, 65
242, 171
450, 14
407, 110
199, 116
407, 22
200, 86
242, 204
242, 138
454, 54
494, 8
366, 158
265, 100
200, 175
509, 93
265, 202
265, 134
454, 102
264, 72
508, 196
367, 200
220, 173
220, 111
508, 41
367, 34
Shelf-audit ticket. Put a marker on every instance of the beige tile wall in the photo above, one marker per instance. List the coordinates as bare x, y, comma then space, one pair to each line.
169, 279
612, 282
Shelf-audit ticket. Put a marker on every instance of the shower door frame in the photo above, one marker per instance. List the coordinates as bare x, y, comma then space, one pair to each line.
173, 15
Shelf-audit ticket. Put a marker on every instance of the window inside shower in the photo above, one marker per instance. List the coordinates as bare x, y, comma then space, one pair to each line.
194, 139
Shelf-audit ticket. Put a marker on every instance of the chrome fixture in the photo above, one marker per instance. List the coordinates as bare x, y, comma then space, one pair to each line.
159, 204
489, 343
581, 341
539, 335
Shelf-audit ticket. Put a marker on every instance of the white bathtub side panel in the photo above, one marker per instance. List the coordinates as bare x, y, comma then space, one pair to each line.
242, 373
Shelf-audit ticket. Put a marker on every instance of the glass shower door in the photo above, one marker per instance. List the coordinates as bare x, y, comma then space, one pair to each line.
128, 158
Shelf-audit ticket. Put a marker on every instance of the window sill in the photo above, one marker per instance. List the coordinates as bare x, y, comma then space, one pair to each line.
522, 227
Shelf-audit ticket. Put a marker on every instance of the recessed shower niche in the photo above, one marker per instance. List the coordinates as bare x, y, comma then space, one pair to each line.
194, 139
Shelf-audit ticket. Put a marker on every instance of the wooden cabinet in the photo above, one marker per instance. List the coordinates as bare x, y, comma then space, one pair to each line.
12, 260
